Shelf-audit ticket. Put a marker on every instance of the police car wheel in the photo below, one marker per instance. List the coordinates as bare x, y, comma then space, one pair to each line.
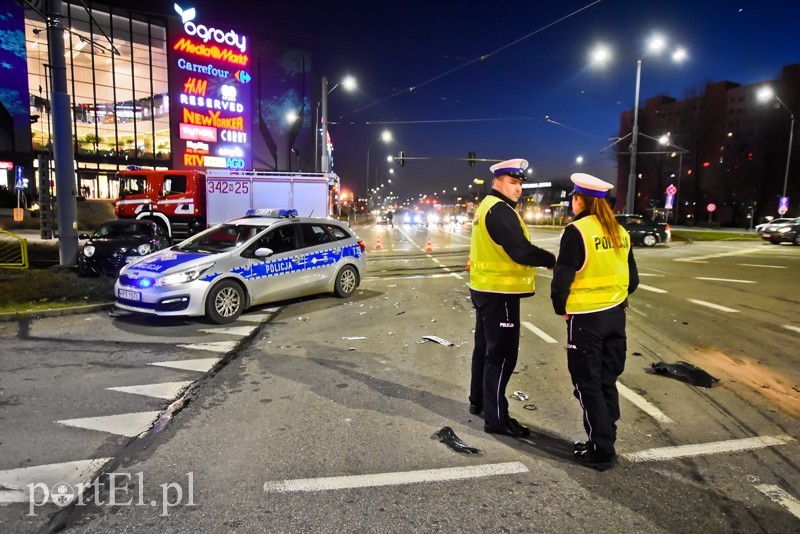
797, 239
649, 240
225, 302
346, 282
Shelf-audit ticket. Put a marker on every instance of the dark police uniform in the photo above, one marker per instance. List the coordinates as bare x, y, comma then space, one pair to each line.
591, 283
502, 271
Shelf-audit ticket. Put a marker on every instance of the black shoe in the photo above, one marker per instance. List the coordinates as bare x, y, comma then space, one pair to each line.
474, 409
505, 430
596, 460
580, 446
522, 429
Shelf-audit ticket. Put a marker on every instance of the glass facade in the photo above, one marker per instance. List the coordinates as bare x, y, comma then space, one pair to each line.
117, 80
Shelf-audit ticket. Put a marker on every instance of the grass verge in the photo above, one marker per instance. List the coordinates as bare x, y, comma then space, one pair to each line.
56, 287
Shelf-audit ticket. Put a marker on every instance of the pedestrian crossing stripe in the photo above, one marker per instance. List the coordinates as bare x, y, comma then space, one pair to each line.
202, 365
164, 390
126, 424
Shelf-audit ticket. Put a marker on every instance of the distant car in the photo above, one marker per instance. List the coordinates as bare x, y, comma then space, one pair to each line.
117, 243
788, 231
643, 230
266, 256
761, 227
415, 218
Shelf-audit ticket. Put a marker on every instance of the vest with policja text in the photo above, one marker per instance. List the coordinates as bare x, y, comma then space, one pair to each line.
602, 282
491, 268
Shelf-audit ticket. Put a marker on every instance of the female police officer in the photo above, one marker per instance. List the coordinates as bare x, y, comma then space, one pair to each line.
594, 274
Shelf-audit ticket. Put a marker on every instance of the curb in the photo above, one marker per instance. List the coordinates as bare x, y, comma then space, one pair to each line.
54, 312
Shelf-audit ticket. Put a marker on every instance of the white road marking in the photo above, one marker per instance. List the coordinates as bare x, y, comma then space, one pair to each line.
126, 424
395, 479
737, 252
765, 266
410, 276
14, 482
792, 328
253, 318
202, 365
538, 332
781, 497
164, 390
702, 449
643, 404
651, 288
637, 312
712, 305
212, 346
649, 274
724, 280
232, 330
457, 276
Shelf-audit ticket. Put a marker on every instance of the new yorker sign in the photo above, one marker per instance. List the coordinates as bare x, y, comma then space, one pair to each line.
210, 106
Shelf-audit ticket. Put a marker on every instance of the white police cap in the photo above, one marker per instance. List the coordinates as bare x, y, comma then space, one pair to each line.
590, 185
511, 167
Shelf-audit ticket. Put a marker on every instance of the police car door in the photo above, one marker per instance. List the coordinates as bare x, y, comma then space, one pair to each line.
322, 255
280, 275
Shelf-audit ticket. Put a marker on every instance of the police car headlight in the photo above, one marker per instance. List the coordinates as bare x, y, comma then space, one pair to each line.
434, 219
184, 277
784, 229
88, 251
143, 249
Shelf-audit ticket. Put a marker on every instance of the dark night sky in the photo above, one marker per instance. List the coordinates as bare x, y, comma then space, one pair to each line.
497, 107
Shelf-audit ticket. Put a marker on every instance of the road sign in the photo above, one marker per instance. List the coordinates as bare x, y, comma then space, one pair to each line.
19, 182
669, 203
671, 190
711, 207
783, 205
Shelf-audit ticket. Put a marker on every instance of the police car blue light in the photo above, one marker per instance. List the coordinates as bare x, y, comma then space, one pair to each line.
267, 256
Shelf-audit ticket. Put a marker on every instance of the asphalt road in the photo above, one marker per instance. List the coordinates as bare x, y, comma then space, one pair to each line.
318, 415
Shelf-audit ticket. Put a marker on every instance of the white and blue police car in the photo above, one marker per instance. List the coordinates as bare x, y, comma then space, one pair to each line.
266, 256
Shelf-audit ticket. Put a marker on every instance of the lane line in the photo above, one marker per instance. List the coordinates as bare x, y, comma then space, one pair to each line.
792, 328
781, 497
649, 274
651, 289
724, 280
761, 265
394, 479
703, 449
538, 332
713, 306
698, 259
643, 404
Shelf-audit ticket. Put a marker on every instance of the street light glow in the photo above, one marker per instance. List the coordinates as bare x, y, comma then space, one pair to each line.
291, 116
657, 44
386, 136
349, 83
765, 93
579, 160
600, 54
664, 139
679, 55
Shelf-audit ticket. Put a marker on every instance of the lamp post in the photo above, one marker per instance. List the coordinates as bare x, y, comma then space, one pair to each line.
349, 83
386, 137
764, 94
602, 54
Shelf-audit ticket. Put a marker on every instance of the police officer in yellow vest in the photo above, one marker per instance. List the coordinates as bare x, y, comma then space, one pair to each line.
503, 262
593, 277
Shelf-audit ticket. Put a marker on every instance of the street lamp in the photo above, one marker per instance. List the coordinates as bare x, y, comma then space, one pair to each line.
579, 160
764, 94
602, 54
349, 83
386, 137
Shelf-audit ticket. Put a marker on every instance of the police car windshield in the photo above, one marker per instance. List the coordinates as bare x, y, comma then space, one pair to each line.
222, 238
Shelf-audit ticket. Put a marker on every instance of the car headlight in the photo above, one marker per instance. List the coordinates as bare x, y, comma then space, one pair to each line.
784, 229
434, 219
184, 277
88, 251
143, 249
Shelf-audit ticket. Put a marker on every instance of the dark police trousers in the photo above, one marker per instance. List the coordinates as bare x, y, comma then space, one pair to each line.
596, 344
495, 354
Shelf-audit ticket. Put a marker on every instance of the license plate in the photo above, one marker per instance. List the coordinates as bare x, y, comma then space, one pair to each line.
129, 295
767, 235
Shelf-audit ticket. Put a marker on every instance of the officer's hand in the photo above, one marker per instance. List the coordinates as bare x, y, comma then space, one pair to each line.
566, 316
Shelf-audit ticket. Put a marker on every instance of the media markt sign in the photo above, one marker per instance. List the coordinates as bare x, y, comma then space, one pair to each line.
210, 108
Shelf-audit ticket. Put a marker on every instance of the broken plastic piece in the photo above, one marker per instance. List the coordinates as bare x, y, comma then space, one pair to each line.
437, 339
355, 338
530, 406
519, 395
449, 438
684, 371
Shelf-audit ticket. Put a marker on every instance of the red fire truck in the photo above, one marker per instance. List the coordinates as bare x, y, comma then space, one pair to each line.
184, 202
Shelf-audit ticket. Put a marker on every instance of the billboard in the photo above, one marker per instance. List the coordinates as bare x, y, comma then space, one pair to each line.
210, 104
15, 119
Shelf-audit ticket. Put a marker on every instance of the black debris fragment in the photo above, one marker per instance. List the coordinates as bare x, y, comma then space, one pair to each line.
449, 438
684, 371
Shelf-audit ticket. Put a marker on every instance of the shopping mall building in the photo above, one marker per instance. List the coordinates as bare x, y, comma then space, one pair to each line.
156, 91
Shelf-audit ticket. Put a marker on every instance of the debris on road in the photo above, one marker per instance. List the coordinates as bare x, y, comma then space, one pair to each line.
449, 438
355, 338
684, 371
519, 395
530, 406
437, 339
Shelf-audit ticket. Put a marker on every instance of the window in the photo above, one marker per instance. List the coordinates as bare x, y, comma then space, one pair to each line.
174, 184
337, 232
280, 240
315, 234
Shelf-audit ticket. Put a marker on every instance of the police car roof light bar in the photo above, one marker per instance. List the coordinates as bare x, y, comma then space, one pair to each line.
272, 212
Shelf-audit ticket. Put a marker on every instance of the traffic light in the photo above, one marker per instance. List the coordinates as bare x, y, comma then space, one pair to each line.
401, 159
471, 158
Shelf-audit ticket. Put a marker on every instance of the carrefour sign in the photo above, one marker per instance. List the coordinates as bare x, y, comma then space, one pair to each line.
210, 94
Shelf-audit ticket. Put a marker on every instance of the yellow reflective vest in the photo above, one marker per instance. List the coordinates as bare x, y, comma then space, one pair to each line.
491, 269
602, 282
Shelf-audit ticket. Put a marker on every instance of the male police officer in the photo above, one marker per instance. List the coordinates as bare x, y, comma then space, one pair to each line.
503, 262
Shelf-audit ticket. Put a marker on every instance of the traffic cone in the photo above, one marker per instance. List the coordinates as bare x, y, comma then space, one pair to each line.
429, 248
469, 262
378, 245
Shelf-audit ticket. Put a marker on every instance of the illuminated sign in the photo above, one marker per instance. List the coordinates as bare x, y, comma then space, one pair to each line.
211, 92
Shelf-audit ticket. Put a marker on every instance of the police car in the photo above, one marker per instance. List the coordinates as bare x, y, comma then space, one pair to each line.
266, 256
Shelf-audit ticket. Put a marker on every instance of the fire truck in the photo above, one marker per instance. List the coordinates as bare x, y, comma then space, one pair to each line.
184, 202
